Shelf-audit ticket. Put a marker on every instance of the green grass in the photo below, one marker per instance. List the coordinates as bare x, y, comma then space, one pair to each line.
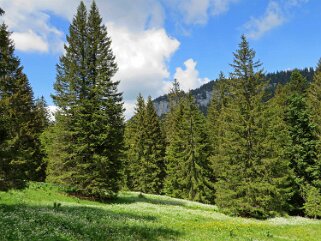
44, 212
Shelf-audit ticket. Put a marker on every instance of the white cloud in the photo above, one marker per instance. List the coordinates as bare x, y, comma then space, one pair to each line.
272, 18
29, 41
221, 6
30, 21
140, 43
276, 14
130, 109
135, 15
199, 11
189, 77
295, 3
142, 59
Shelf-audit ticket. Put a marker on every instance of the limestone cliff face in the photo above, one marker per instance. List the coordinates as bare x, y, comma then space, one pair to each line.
162, 107
202, 96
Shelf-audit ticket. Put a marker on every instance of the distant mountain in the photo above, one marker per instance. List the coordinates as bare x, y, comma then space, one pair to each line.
203, 94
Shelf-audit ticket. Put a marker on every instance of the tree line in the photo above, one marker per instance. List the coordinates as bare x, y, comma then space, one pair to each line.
255, 153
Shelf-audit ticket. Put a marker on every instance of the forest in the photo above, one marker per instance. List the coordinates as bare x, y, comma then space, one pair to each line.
255, 153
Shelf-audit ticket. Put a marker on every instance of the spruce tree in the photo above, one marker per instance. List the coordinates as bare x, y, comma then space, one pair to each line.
62, 139
20, 144
90, 123
314, 98
171, 123
251, 176
135, 143
218, 103
145, 149
189, 175
153, 166
314, 107
302, 149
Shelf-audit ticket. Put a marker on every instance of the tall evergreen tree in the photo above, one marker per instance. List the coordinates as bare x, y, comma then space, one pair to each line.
188, 172
145, 149
20, 144
302, 148
135, 143
154, 173
90, 122
218, 103
314, 106
40, 124
251, 176
314, 98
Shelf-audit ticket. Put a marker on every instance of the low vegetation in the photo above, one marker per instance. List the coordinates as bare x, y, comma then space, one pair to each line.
45, 212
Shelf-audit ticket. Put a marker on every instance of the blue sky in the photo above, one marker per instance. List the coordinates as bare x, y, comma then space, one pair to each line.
156, 41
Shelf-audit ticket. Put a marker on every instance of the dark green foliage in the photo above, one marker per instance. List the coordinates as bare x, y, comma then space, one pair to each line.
302, 148
314, 98
89, 125
314, 107
189, 174
217, 104
154, 150
134, 142
252, 178
21, 157
312, 204
145, 169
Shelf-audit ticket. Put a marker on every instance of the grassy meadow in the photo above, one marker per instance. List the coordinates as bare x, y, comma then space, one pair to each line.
45, 212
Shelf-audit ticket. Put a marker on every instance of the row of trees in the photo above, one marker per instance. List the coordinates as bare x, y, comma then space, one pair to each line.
22, 120
254, 155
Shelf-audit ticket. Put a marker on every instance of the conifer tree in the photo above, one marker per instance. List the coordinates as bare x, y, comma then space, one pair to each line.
134, 141
302, 148
153, 166
188, 172
218, 103
251, 176
145, 149
314, 98
20, 144
90, 122
62, 140
314, 107
171, 123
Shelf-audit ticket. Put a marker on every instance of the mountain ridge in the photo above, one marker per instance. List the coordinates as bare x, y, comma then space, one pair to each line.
203, 93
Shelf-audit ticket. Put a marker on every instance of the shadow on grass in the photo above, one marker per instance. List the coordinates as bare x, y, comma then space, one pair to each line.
137, 198
22, 222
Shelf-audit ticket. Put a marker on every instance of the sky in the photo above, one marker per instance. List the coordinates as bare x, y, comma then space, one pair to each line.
156, 41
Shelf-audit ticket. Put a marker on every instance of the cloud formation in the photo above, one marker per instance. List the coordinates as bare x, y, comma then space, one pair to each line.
142, 46
198, 12
142, 60
30, 22
189, 76
29, 41
140, 42
272, 18
276, 14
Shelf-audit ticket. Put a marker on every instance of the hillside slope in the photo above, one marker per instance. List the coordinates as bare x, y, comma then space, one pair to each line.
44, 212
203, 94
